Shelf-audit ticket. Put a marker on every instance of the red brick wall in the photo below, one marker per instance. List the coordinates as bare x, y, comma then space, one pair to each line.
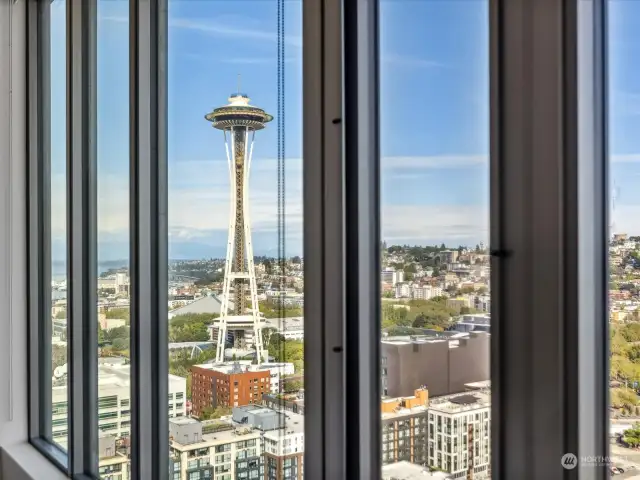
210, 388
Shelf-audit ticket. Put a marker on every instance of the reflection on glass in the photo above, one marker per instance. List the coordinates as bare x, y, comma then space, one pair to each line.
624, 232
236, 288
114, 385
435, 278
58, 131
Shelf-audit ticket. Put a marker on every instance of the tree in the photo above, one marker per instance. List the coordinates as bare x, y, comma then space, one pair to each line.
118, 332
119, 313
120, 343
296, 260
62, 314
617, 342
436, 272
631, 332
273, 310
58, 356
420, 321
190, 327
633, 353
392, 316
268, 266
100, 334
286, 350
291, 386
410, 268
632, 436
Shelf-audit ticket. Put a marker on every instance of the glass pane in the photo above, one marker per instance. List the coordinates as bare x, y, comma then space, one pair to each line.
435, 278
235, 240
58, 215
114, 386
624, 247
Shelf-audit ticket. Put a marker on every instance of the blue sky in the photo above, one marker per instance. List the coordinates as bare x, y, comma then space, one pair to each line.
435, 116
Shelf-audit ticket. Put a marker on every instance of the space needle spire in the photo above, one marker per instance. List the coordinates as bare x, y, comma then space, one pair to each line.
239, 121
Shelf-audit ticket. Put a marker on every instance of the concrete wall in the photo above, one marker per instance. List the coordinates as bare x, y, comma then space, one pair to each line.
442, 369
469, 362
185, 433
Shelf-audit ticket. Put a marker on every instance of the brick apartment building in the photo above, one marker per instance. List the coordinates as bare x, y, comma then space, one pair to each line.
227, 385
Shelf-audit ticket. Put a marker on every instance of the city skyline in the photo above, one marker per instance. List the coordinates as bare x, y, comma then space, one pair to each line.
435, 176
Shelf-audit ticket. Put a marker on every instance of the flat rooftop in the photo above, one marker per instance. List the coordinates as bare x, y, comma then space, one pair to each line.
476, 319
293, 424
410, 471
404, 412
288, 324
461, 402
118, 375
485, 384
242, 366
183, 421
220, 437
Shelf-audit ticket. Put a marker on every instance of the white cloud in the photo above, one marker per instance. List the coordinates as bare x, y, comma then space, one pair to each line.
224, 26
402, 60
199, 204
433, 161
628, 158
424, 224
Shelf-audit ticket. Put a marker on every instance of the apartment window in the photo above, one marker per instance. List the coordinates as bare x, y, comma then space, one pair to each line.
106, 415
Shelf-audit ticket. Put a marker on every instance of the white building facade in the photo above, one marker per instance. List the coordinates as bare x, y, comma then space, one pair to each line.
459, 434
114, 403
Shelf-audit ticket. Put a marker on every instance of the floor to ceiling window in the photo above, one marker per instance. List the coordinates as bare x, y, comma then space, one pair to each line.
236, 282
435, 273
624, 233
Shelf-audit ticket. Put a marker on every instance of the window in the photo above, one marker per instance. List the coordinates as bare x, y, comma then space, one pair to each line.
434, 273
57, 205
128, 195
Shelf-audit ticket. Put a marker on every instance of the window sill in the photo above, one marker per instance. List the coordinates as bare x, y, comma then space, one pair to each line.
23, 462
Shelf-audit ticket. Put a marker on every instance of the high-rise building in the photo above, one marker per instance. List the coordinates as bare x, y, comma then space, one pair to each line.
114, 402
233, 384
404, 428
239, 121
283, 440
227, 452
254, 443
460, 434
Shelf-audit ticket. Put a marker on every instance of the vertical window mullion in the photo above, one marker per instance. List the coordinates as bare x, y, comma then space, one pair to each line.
149, 236
81, 235
324, 268
362, 236
39, 221
548, 238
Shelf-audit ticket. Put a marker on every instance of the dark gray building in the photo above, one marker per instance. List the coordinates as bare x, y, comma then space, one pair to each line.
442, 365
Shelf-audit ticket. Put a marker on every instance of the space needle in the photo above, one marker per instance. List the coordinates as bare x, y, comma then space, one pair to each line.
239, 121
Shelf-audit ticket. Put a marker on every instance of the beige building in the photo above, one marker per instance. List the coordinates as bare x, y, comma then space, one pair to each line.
113, 465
